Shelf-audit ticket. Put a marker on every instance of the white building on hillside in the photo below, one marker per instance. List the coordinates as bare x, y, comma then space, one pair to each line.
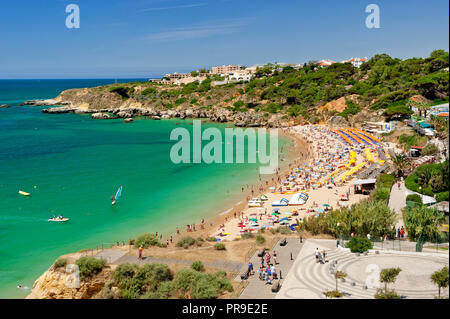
357, 62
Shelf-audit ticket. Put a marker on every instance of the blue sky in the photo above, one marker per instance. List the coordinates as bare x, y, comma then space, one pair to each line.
142, 38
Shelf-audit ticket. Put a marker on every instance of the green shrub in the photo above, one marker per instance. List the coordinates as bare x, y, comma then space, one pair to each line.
350, 109
381, 194
389, 294
186, 242
61, 262
185, 279
134, 281
430, 149
203, 289
359, 244
219, 246
260, 239
198, 265
146, 240
422, 222
124, 272
107, 292
238, 104
385, 180
433, 178
180, 101
149, 91
333, 294
122, 91
164, 291
197, 285
90, 266
210, 238
442, 196
247, 235
414, 198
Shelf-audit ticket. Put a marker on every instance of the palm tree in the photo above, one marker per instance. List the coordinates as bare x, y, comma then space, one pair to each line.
402, 163
440, 278
339, 275
421, 106
389, 275
441, 126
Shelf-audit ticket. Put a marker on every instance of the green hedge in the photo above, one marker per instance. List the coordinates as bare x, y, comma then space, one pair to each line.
433, 178
414, 198
90, 266
146, 240
359, 244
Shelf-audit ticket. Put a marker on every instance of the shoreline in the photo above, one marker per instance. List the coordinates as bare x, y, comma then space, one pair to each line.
291, 151
219, 218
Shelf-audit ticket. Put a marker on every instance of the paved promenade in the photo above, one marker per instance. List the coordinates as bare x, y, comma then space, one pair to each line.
397, 201
258, 289
308, 279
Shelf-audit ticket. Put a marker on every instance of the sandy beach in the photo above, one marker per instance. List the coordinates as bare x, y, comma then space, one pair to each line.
316, 154
298, 152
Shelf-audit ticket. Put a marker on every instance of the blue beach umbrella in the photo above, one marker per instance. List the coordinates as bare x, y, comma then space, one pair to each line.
283, 219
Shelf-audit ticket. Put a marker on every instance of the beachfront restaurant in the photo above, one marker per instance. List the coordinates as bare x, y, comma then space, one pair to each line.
415, 151
364, 186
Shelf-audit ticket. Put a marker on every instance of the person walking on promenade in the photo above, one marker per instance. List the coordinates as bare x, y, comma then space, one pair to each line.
141, 248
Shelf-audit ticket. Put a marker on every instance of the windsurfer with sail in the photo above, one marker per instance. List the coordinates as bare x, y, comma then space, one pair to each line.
118, 194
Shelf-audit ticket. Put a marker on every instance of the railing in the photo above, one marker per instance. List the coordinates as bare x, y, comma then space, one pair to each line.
250, 253
99, 248
253, 248
240, 288
438, 245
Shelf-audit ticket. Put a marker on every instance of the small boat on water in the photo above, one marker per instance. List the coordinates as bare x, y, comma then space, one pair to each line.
24, 193
58, 219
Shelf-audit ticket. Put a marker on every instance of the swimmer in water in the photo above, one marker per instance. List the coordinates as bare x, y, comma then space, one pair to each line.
21, 287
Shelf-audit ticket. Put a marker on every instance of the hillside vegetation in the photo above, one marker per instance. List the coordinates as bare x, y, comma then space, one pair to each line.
382, 86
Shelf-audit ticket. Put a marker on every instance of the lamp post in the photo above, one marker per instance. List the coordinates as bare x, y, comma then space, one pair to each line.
421, 195
338, 230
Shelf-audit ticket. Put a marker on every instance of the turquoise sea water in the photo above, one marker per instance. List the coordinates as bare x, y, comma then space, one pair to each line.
72, 165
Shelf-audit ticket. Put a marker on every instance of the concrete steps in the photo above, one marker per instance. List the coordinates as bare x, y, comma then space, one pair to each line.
318, 278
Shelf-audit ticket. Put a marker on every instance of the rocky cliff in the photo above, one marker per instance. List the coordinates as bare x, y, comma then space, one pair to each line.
107, 105
101, 103
52, 284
